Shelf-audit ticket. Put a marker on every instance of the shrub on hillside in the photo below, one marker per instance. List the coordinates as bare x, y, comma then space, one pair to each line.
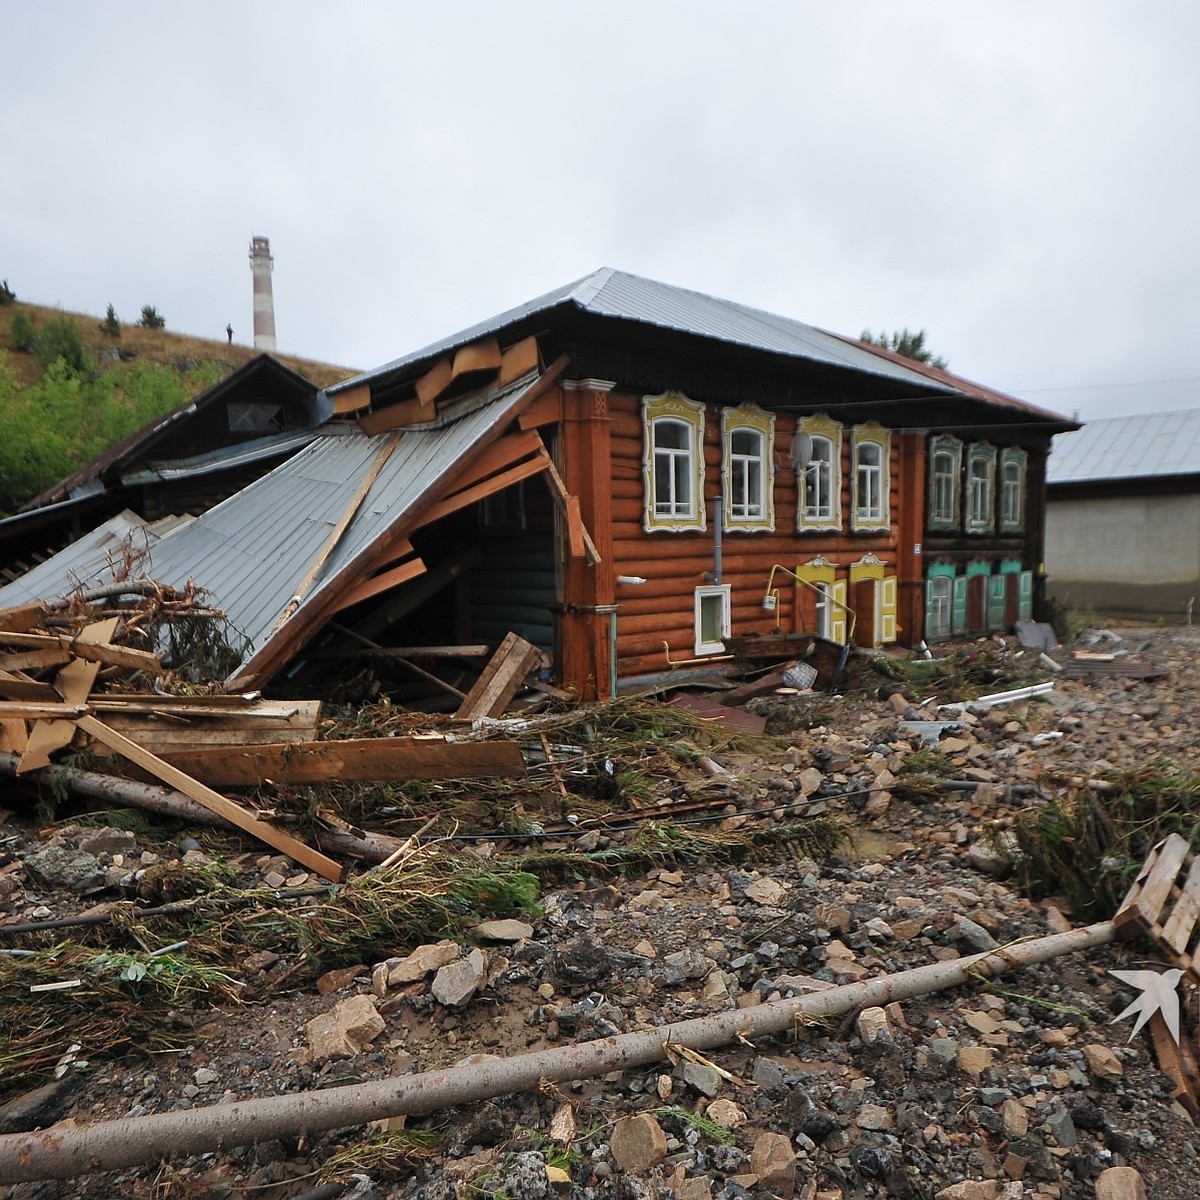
60, 338
7, 295
151, 318
111, 325
24, 335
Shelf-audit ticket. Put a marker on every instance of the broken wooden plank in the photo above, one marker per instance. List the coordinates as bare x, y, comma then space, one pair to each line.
385, 581
29, 710
477, 363
74, 683
396, 416
21, 687
1178, 930
353, 758
35, 660
86, 648
1143, 905
434, 382
178, 727
558, 490
764, 685
22, 617
711, 711
14, 735
501, 679
280, 840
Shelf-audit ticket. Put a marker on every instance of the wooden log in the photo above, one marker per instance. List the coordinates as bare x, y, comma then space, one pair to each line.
501, 679
284, 842
353, 758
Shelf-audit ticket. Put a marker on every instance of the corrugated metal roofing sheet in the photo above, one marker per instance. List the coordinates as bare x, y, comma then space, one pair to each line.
1137, 447
622, 296
252, 551
87, 560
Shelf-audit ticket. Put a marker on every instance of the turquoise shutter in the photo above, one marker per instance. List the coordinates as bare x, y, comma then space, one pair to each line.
958, 605
996, 595
1025, 596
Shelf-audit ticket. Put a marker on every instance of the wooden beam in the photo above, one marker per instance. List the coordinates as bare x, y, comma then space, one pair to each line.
505, 453
575, 530
28, 710
546, 410
222, 805
94, 652
14, 735
335, 534
412, 666
354, 758
558, 490
378, 584
480, 651
501, 679
497, 483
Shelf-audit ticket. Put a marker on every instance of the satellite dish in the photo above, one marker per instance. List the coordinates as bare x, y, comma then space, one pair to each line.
802, 449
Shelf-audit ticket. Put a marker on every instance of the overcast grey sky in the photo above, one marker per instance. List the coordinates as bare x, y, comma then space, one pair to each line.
1017, 177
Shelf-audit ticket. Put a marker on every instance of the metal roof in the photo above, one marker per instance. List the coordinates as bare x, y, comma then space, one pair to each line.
1150, 445
252, 551
88, 560
621, 296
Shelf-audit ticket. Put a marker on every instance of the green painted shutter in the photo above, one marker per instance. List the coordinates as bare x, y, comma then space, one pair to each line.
958, 605
1025, 596
997, 589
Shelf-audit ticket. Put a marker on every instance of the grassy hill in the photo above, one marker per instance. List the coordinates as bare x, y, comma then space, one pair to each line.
57, 414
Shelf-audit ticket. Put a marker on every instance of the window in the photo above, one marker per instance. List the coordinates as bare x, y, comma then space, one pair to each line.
673, 463
945, 463
821, 596
938, 605
254, 417
981, 479
748, 468
504, 511
872, 477
712, 618
819, 475
1012, 490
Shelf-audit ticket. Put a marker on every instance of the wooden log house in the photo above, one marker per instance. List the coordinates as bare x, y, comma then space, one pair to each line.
627, 475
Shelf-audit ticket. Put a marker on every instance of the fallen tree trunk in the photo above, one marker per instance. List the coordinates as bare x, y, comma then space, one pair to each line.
63, 1152
370, 847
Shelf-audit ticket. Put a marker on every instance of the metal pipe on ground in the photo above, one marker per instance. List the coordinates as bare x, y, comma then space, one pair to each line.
62, 1152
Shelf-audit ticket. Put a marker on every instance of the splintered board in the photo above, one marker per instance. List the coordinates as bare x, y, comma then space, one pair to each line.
1164, 903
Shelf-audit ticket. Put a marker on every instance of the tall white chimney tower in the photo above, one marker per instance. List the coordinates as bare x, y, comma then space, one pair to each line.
261, 264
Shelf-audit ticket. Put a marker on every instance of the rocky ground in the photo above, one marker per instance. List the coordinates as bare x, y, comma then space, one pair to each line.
1022, 1088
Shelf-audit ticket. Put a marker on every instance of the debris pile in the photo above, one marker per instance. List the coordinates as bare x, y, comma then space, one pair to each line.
655, 866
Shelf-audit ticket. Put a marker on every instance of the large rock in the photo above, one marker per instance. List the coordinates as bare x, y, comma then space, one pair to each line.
1120, 1183
638, 1143
458, 981
774, 1162
346, 1030
423, 961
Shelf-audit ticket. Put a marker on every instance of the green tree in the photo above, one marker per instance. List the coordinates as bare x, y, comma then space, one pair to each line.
907, 344
24, 334
151, 318
111, 325
60, 338
7, 295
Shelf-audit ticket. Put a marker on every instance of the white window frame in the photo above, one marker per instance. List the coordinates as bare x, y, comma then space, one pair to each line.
820, 474
981, 488
749, 503
1012, 489
721, 593
686, 463
945, 486
872, 481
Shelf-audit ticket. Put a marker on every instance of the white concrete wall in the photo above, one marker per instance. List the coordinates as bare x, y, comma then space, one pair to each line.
1136, 552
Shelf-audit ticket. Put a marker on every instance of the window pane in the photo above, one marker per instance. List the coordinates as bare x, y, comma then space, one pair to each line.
710, 618
671, 435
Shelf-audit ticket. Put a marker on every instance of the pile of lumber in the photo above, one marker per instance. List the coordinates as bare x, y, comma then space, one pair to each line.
72, 679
